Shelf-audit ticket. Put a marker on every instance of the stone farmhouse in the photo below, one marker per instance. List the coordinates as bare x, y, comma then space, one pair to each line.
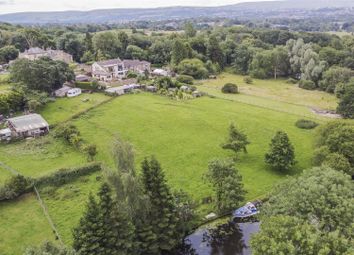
116, 69
36, 53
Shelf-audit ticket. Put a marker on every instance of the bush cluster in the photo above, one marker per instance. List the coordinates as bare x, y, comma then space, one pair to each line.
19, 185
306, 124
307, 84
66, 175
230, 88
15, 187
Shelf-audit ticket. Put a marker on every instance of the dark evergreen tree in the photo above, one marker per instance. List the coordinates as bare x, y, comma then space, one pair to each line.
89, 234
163, 209
113, 232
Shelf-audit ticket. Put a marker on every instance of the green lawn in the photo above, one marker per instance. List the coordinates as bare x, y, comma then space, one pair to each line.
274, 94
67, 203
64, 108
38, 156
184, 136
22, 224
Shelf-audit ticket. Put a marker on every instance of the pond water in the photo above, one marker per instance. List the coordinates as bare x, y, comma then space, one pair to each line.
228, 239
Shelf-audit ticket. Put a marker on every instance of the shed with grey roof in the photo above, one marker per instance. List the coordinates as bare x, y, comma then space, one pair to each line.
30, 125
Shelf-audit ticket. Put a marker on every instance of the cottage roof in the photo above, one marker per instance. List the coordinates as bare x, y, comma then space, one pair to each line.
62, 91
128, 63
114, 89
101, 73
109, 62
35, 50
27, 122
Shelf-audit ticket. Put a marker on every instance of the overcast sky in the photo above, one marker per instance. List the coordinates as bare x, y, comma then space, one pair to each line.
9, 6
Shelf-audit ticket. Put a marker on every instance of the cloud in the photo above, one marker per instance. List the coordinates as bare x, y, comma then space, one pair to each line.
6, 2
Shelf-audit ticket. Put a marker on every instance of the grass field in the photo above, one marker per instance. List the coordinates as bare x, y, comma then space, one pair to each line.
184, 136
37, 157
67, 203
22, 224
274, 94
64, 108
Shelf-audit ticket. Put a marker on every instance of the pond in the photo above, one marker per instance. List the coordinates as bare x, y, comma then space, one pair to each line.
227, 239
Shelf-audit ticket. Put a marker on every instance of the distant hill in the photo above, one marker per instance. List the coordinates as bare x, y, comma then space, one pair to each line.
250, 10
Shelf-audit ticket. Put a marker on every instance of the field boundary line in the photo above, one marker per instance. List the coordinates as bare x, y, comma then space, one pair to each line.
8, 168
46, 213
270, 108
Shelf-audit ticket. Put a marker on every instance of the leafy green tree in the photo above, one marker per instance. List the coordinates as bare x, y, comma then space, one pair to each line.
335, 137
43, 74
338, 162
334, 76
242, 59
88, 44
48, 248
291, 235
280, 61
134, 52
214, 51
8, 53
281, 154
237, 140
308, 197
179, 52
227, 184
164, 218
160, 52
261, 66
72, 44
107, 45
189, 29
331, 55
193, 67
346, 103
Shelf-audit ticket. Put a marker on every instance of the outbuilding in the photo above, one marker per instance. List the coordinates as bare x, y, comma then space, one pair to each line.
5, 134
115, 91
73, 92
62, 91
31, 125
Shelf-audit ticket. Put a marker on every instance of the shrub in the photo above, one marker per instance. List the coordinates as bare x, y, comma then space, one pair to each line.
68, 132
187, 79
248, 80
230, 88
306, 84
291, 81
15, 187
67, 175
306, 124
87, 85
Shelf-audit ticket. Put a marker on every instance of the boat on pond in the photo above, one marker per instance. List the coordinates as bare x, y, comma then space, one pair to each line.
248, 210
